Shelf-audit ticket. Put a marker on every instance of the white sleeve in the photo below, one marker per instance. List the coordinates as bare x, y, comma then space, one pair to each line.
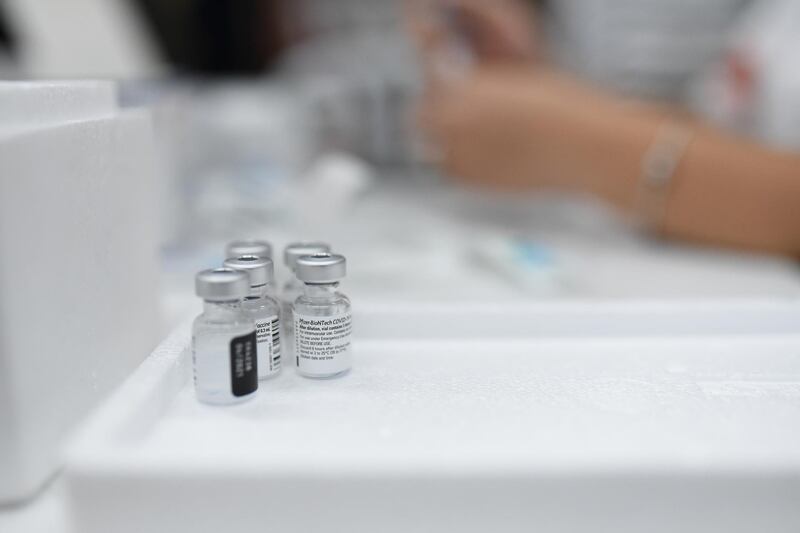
755, 89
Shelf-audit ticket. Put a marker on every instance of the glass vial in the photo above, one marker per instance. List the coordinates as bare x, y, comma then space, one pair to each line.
322, 318
263, 309
256, 248
294, 287
223, 340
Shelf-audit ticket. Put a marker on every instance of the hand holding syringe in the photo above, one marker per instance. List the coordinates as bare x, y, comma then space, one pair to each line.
454, 58
456, 36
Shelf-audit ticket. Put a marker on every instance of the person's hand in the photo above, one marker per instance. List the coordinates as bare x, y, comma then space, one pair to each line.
507, 127
495, 32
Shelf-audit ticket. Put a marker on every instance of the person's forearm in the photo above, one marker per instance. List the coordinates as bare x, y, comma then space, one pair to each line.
532, 128
737, 193
725, 190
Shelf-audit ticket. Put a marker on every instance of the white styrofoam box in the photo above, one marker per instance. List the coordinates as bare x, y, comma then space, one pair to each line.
78, 275
578, 318
693, 433
27, 105
43, 514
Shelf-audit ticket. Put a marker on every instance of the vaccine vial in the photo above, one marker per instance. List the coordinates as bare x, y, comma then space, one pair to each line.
256, 248
263, 309
223, 339
322, 318
294, 287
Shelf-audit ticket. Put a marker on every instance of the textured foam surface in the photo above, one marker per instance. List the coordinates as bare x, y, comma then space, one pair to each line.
485, 405
77, 230
695, 434
32, 105
685, 434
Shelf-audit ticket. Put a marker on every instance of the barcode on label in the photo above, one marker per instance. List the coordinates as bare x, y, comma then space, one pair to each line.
276, 343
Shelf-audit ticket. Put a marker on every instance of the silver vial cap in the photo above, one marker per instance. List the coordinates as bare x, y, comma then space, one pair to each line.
298, 249
259, 269
221, 285
321, 268
256, 248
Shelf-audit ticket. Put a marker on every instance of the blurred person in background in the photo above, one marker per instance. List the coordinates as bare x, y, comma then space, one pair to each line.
602, 111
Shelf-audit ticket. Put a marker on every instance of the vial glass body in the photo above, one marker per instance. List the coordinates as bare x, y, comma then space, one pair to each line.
292, 289
322, 328
224, 354
265, 312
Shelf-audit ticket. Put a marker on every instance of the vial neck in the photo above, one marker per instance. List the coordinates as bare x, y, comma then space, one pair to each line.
221, 310
320, 291
258, 292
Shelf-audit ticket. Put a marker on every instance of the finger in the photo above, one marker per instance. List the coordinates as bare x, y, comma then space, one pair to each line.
498, 30
428, 36
424, 30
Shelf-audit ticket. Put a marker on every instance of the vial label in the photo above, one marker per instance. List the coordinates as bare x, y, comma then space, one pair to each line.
322, 343
244, 365
268, 347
